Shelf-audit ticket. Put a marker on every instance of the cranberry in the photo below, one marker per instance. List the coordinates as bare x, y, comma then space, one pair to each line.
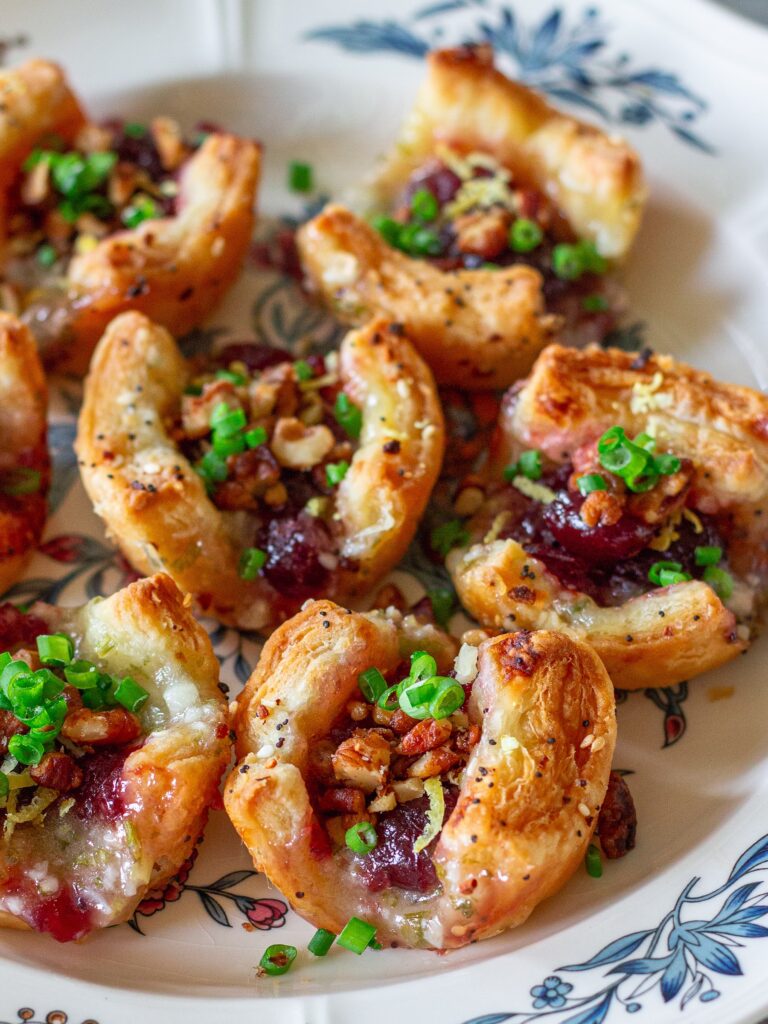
436, 178
598, 545
140, 151
294, 545
65, 915
18, 629
102, 794
393, 862
255, 355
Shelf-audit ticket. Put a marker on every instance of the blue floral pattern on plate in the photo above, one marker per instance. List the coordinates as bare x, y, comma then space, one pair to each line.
567, 58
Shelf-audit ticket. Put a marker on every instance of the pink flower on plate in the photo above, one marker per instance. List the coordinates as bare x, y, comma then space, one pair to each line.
265, 914
172, 891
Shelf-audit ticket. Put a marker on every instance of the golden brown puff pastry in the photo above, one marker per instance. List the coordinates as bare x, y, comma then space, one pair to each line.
332, 513
24, 460
549, 557
491, 152
115, 809
536, 738
153, 223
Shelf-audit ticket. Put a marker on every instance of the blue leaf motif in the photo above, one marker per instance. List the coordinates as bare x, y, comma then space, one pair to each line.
242, 668
674, 976
743, 930
645, 965
369, 36
490, 1018
754, 857
571, 96
661, 81
594, 1014
716, 956
442, 8
545, 34
692, 992
232, 879
735, 900
214, 909
693, 140
614, 951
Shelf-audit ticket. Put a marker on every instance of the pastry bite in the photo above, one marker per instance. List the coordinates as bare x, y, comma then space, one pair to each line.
256, 480
430, 807
24, 459
113, 739
625, 502
99, 218
494, 225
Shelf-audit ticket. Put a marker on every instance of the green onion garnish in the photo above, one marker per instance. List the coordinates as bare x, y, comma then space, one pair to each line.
25, 691
255, 437
414, 697
449, 535
665, 574
720, 581
46, 255
417, 240
234, 378
74, 174
591, 482
389, 229
335, 472
424, 206
634, 461
212, 468
593, 862
303, 370
252, 561
348, 415
20, 481
356, 935
277, 959
435, 814
300, 176
361, 838
321, 942
27, 749
570, 261
135, 130
594, 304
130, 694
55, 649
226, 446
140, 208
529, 464
525, 235
82, 674
423, 665
388, 700
443, 602
10, 670
511, 472
372, 684
226, 421
449, 697
4, 787
708, 555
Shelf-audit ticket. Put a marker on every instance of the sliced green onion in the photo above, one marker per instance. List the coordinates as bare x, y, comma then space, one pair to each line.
594, 303
389, 699
666, 464
443, 602
47, 722
348, 415
252, 561
226, 446
277, 959
591, 259
55, 649
135, 130
511, 472
525, 235
140, 208
591, 482
74, 174
301, 177
46, 255
4, 787
336, 471
255, 437
132, 696
435, 813
5, 659
720, 581
419, 241
389, 229
665, 574
230, 375
52, 685
529, 464
94, 699
372, 684
36, 157
82, 674
415, 694
356, 935
567, 261
423, 666
593, 862
28, 749
449, 535
706, 555
10, 671
303, 370
321, 942
226, 421
25, 691
19, 481
212, 467
424, 206
449, 697
361, 838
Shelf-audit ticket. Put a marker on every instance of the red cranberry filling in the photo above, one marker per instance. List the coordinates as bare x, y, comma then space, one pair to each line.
65, 915
294, 546
17, 629
102, 793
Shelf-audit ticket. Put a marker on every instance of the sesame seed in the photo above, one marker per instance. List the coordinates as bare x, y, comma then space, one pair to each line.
598, 744
587, 741
583, 809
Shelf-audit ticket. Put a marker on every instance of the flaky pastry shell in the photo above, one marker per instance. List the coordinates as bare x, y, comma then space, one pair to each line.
505, 847
571, 398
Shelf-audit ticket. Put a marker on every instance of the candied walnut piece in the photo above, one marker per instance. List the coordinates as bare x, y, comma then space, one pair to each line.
9, 726
101, 728
57, 771
362, 760
617, 823
434, 762
483, 232
196, 410
601, 508
425, 735
298, 446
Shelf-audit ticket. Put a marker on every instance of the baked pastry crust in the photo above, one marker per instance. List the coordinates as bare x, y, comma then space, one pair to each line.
503, 849
477, 328
171, 781
570, 399
156, 507
23, 447
175, 269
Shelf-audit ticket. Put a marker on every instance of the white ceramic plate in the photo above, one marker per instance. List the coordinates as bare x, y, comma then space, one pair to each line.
674, 931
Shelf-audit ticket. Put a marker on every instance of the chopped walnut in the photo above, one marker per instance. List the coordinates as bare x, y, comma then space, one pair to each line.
166, 134
362, 760
601, 508
434, 762
101, 728
425, 735
196, 410
483, 232
57, 771
297, 446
